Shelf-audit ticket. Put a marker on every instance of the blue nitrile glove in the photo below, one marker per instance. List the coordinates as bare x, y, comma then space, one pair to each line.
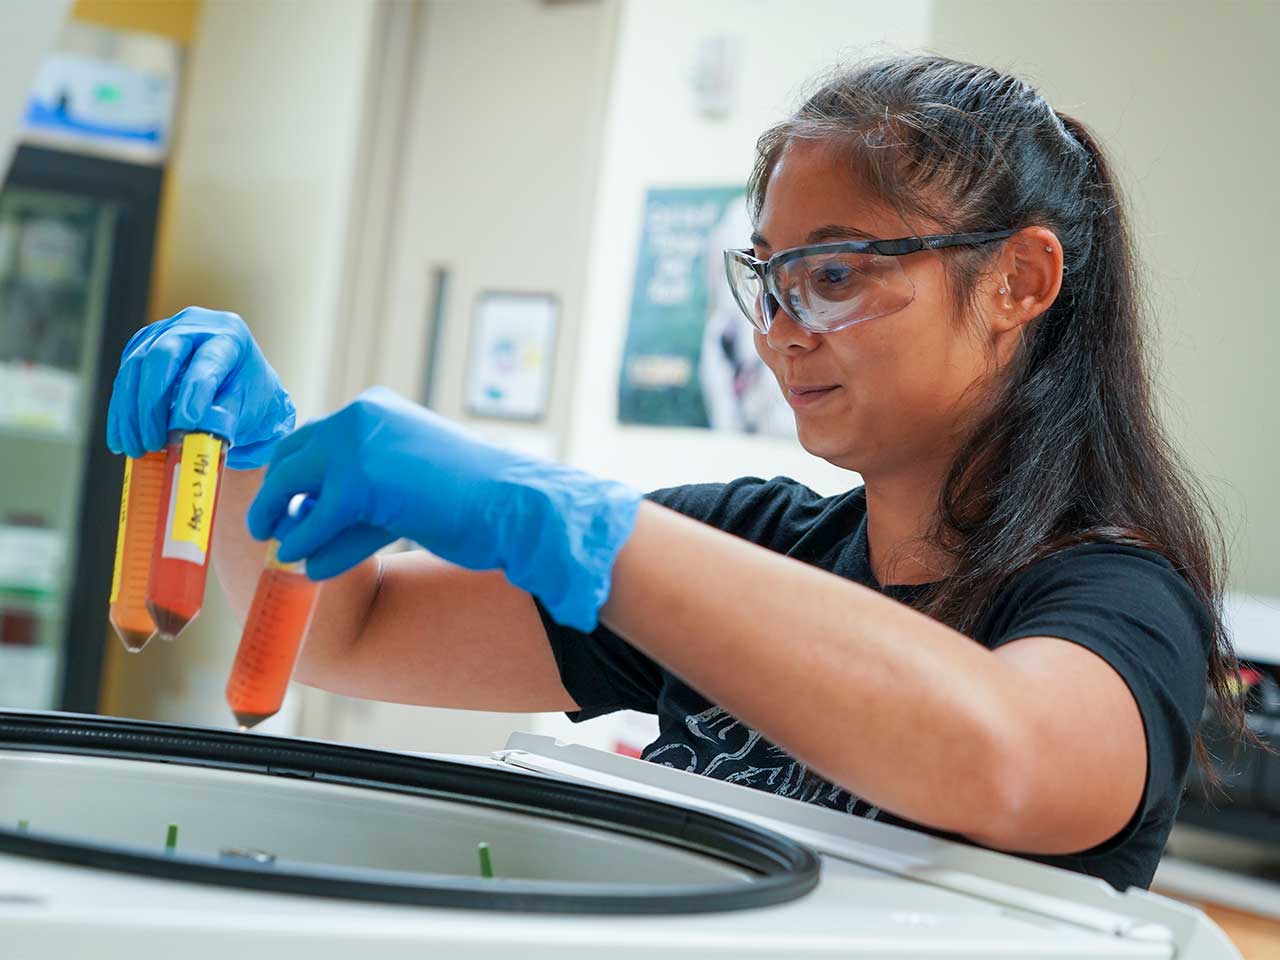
198, 370
383, 468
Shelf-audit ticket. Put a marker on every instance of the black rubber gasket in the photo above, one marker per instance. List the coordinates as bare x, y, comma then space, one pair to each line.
782, 869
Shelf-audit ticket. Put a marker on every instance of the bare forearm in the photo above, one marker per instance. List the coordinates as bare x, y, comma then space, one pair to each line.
438, 635
830, 671
405, 627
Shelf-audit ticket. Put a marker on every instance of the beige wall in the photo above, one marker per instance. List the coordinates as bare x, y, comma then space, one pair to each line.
1184, 95
497, 180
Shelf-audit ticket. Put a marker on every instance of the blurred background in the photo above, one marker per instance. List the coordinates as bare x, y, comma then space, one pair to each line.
504, 209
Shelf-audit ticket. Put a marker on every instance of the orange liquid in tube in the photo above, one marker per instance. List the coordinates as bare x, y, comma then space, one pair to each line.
278, 618
139, 509
180, 555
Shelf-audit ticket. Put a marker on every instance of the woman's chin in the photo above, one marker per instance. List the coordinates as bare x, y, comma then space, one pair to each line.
826, 445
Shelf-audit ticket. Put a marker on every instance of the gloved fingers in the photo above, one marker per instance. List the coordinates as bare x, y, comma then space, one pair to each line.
123, 433
210, 366
296, 440
300, 506
223, 416
349, 548
302, 471
329, 516
122, 413
141, 337
206, 319
161, 365
250, 456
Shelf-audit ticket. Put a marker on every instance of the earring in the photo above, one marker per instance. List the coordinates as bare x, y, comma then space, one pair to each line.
1002, 290
1048, 249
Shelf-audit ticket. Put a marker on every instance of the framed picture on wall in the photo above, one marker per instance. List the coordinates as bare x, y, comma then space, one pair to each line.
512, 350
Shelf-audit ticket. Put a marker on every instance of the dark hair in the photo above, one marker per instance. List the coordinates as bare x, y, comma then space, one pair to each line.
1070, 450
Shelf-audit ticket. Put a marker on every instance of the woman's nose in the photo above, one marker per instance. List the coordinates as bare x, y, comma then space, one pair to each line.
786, 335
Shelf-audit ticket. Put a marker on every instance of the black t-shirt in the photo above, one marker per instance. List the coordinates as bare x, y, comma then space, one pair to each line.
1127, 605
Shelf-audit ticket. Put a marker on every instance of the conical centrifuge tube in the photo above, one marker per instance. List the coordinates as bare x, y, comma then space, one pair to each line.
139, 506
273, 632
180, 555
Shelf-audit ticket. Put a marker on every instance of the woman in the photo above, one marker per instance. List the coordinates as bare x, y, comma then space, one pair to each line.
1004, 636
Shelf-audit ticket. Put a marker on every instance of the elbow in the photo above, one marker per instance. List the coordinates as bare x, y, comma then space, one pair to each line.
1005, 804
1010, 809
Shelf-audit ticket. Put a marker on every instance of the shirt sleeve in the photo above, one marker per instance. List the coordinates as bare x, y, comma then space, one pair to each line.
1133, 610
604, 673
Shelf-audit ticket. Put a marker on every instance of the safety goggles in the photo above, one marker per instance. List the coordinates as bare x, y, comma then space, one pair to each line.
829, 286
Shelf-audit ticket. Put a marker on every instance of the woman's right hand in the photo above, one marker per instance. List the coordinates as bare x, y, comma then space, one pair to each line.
198, 370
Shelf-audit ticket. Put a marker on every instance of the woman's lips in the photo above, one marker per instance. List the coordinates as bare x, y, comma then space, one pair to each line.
807, 396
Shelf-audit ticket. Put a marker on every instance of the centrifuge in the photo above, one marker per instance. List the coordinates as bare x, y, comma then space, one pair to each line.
127, 839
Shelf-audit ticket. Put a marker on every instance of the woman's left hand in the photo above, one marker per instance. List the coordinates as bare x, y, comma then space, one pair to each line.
382, 468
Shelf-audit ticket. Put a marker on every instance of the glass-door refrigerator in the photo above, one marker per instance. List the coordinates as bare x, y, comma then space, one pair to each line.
77, 228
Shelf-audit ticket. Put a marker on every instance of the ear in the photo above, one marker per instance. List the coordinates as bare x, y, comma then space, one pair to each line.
1023, 281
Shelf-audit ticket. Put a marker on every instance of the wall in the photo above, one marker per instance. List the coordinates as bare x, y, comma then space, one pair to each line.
655, 137
263, 171
34, 31
1180, 93
500, 156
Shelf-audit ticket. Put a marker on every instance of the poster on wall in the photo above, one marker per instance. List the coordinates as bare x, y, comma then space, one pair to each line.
512, 344
689, 359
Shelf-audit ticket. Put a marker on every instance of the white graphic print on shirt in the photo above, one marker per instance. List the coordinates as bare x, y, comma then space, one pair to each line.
716, 744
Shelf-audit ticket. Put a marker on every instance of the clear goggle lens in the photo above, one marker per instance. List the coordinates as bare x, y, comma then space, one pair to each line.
822, 292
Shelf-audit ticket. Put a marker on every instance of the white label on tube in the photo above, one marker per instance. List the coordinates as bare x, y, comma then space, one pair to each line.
174, 548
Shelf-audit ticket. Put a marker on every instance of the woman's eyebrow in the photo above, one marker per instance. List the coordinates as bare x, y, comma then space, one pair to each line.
836, 231
832, 231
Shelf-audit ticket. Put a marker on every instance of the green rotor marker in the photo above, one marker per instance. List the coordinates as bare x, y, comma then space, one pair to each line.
486, 864
23, 826
171, 840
